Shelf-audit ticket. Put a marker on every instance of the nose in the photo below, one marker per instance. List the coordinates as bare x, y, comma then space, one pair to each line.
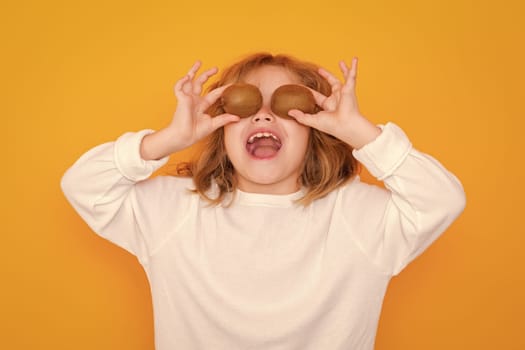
263, 115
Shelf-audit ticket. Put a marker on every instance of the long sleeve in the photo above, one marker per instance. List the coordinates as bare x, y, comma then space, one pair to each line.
420, 202
102, 187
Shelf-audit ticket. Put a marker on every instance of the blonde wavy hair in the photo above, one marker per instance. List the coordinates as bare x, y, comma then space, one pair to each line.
328, 161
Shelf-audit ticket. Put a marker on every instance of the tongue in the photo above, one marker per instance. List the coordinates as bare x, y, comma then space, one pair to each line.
264, 147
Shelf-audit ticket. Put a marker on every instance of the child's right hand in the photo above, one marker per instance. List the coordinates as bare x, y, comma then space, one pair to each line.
190, 123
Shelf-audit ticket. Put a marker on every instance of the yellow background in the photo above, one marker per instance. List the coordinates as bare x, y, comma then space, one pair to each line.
79, 73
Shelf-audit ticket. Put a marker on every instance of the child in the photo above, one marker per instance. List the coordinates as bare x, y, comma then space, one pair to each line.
271, 241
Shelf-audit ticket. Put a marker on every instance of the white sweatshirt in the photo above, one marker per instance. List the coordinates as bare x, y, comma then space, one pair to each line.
266, 273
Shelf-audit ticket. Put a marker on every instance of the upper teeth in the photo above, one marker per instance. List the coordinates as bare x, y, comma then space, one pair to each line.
262, 134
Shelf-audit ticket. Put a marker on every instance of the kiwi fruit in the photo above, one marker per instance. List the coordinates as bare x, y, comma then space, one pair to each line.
241, 99
292, 96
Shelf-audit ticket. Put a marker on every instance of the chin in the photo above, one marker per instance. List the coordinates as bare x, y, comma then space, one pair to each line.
262, 179
268, 183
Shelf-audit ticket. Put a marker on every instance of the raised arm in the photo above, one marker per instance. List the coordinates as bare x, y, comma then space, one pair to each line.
190, 122
422, 199
106, 185
101, 187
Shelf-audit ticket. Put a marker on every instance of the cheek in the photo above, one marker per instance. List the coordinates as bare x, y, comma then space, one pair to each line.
232, 138
302, 136
304, 147
306, 143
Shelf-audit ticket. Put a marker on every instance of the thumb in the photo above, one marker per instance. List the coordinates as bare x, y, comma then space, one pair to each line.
223, 119
304, 118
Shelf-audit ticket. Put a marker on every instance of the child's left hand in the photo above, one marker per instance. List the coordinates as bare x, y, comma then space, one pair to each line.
340, 116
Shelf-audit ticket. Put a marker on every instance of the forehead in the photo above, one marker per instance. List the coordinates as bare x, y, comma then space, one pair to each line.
271, 76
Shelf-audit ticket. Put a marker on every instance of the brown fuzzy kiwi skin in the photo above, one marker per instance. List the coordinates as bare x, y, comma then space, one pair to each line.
292, 96
241, 99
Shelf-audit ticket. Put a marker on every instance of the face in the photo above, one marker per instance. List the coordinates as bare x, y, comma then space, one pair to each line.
267, 151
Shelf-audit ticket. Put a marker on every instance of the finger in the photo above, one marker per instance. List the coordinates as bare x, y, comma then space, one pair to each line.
211, 97
223, 119
332, 80
203, 78
353, 72
350, 75
188, 88
327, 103
318, 97
178, 89
193, 70
304, 118
344, 69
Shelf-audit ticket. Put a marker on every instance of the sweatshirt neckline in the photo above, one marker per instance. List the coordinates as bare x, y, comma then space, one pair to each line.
269, 200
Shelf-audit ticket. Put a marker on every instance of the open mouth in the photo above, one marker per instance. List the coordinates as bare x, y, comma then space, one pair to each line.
263, 145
